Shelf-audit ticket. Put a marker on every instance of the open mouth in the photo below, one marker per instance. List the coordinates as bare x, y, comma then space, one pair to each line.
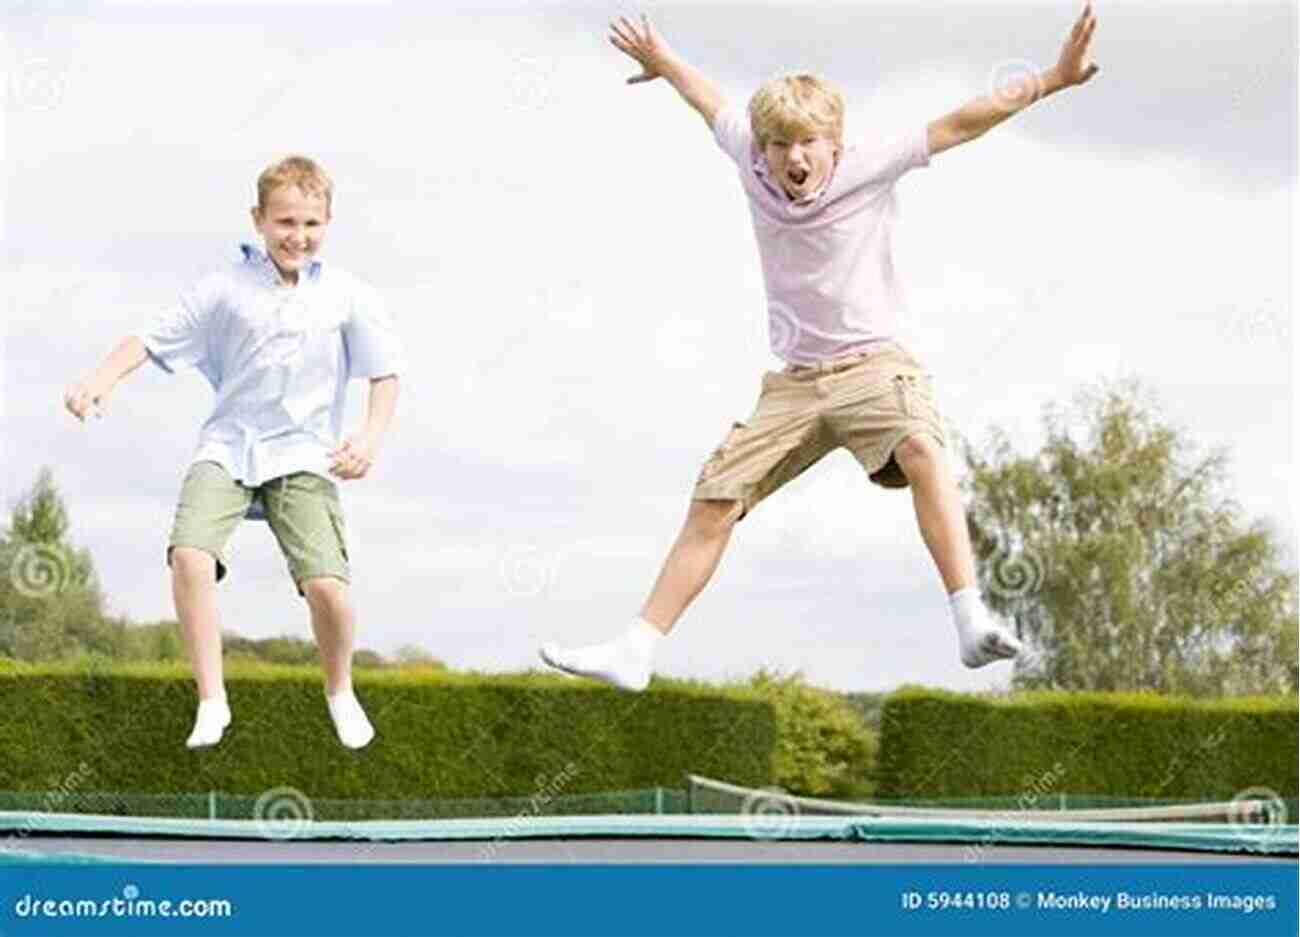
797, 176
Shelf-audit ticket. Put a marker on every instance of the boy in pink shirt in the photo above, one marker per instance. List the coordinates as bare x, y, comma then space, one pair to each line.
822, 214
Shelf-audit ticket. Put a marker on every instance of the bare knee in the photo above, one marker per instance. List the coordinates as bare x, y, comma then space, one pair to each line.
710, 520
190, 564
918, 455
324, 592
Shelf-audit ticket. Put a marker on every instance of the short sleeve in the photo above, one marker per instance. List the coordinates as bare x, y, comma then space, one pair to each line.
180, 336
731, 131
369, 339
883, 162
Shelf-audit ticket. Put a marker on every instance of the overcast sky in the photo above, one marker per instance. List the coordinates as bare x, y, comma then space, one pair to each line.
571, 264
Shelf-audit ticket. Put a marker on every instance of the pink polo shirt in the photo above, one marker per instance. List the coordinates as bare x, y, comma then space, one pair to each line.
827, 265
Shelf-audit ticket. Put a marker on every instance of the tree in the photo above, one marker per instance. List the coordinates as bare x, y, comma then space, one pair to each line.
822, 746
51, 605
412, 656
1122, 560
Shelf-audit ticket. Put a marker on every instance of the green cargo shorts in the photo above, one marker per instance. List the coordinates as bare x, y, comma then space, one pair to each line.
302, 509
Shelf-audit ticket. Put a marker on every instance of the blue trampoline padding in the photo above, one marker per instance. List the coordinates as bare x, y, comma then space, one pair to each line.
1210, 837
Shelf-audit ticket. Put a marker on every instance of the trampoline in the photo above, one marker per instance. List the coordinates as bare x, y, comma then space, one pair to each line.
723, 823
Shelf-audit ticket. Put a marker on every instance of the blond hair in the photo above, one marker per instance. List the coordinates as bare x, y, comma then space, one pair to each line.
299, 171
792, 106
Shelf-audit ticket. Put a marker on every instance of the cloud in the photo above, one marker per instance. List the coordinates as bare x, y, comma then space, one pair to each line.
571, 264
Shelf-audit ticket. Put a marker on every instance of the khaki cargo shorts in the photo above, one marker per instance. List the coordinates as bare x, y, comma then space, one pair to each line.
868, 403
302, 509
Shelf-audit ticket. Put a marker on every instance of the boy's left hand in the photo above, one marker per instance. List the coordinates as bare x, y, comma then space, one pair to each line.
1071, 66
354, 458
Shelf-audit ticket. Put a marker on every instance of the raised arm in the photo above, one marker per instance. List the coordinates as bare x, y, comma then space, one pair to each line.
658, 60
984, 113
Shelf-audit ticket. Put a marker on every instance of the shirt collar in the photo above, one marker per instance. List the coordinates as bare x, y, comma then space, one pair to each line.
256, 257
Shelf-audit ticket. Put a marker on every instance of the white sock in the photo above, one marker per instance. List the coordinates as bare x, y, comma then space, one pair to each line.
624, 662
350, 722
210, 722
981, 639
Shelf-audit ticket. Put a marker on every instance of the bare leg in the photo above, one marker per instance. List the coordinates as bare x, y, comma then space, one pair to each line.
334, 624
939, 511
626, 661
690, 562
942, 519
194, 589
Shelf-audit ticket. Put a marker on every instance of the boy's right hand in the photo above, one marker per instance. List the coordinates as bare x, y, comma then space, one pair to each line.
643, 44
82, 398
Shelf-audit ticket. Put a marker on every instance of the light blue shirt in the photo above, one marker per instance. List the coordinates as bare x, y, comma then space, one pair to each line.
279, 358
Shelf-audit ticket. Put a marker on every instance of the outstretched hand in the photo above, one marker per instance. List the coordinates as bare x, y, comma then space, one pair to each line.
643, 44
82, 400
1073, 65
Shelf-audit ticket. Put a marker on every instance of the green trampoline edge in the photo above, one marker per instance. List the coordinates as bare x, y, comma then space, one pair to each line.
1282, 840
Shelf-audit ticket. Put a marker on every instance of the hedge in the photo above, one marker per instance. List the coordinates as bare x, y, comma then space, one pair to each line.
122, 728
941, 744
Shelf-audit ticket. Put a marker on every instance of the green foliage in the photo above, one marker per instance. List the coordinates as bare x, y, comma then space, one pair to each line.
439, 734
50, 600
940, 744
1122, 561
867, 706
823, 747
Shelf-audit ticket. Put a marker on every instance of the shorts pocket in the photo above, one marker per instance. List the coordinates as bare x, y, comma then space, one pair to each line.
903, 388
340, 530
715, 460
915, 395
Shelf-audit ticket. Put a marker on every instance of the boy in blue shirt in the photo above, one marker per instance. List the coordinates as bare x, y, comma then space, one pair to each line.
278, 334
